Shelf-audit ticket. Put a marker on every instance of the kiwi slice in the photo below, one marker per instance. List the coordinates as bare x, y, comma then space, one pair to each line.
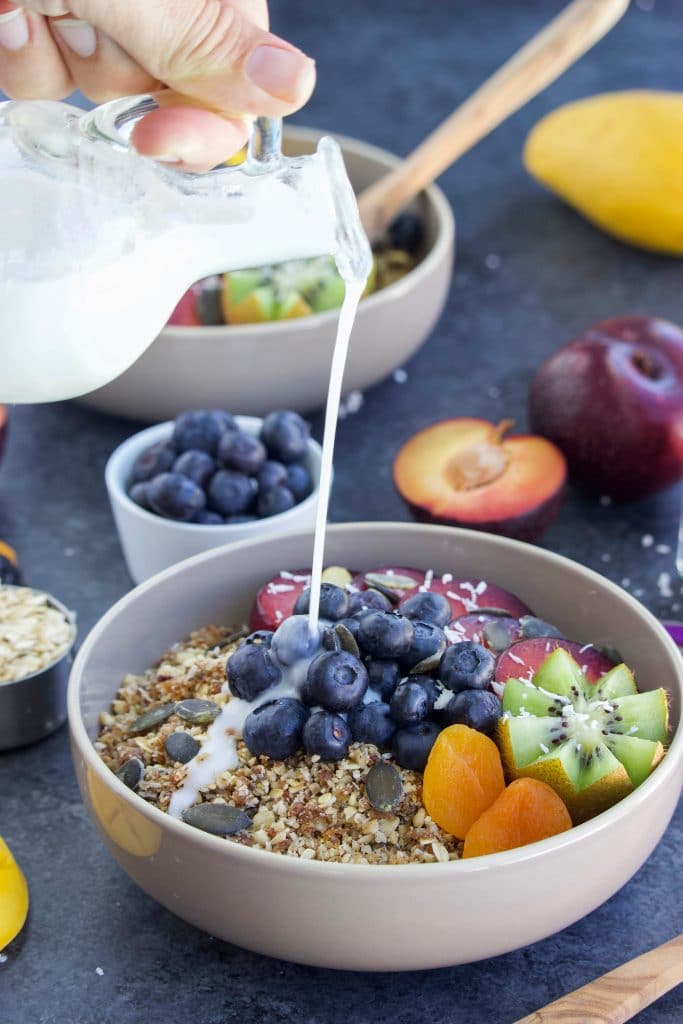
283, 291
592, 742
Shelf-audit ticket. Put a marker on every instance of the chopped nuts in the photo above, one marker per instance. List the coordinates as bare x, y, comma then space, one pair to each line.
302, 807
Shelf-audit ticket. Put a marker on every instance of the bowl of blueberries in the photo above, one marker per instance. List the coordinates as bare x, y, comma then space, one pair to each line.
208, 478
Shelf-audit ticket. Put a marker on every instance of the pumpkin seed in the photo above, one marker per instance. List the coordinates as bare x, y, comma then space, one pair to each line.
218, 819
533, 627
497, 637
503, 612
150, 719
131, 772
384, 787
395, 582
239, 634
346, 639
198, 711
182, 747
428, 664
331, 640
387, 592
338, 575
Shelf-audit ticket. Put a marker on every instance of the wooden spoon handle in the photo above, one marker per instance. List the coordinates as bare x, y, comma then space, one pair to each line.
550, 52
618, 996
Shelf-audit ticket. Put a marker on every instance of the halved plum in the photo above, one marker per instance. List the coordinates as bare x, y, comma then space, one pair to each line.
276, 599
523, 659
466, 472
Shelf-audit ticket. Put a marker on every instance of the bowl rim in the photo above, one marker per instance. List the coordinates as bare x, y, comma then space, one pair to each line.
121, 460
443, 241
669, 767
70, 617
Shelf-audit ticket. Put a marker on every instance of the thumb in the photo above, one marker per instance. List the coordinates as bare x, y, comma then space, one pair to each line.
207, 50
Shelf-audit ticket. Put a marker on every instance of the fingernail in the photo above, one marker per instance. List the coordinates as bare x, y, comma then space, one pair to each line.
78, 35
13, 30
282, 73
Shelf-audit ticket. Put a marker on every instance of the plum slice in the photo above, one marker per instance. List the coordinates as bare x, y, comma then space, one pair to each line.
523, 659
276, 599
466, 472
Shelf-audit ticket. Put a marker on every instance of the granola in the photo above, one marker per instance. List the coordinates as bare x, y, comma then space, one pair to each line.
302, 807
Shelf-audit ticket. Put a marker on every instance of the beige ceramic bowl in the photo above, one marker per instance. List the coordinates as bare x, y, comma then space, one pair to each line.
259, 367
356, 916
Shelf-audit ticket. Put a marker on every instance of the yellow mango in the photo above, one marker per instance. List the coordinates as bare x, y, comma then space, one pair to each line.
13, 896
618, 159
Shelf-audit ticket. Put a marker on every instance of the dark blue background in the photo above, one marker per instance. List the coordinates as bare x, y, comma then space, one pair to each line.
388, 71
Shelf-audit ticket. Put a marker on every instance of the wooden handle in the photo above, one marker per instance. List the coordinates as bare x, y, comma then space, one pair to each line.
531, 69
618, 996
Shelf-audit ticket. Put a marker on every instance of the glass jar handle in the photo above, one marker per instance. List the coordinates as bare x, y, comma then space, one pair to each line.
113, 123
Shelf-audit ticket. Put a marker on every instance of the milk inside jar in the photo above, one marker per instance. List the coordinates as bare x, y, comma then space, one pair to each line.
98, 244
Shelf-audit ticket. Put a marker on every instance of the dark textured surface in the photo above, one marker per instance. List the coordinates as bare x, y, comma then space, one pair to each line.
529, 274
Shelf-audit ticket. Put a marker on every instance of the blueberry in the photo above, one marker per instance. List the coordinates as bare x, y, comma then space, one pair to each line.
326, 735
242, 452
272, 503
274, 729
372, 723
334, 602
138, 494
293, 640
198, 429
285, 434
427, 607
196, 464
158, 458
384, 676
406, 232
299, 480
413, 699
252, 670
368, 599
175, 496
480, 709
260, 636
241, 519
467, 666
429, 643
208, 518
411, 744
336, 680
533, 627
223, 420
272, 474
230, 493
352, 625
385, 634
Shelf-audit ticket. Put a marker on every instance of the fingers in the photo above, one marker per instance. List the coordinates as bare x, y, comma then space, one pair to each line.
194, 140
31, 66
208, 50
99, 67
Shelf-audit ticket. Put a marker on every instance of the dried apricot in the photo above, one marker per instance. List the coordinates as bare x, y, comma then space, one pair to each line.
463, 777
526, 812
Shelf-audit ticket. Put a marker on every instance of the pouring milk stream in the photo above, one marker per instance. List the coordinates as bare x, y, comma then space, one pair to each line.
99, 243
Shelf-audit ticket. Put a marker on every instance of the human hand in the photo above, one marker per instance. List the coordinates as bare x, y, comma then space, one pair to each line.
209, 64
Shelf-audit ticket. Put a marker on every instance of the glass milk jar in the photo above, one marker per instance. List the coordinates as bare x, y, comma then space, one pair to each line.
98, 243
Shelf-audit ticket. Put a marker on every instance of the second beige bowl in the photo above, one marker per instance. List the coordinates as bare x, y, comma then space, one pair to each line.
259, 367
